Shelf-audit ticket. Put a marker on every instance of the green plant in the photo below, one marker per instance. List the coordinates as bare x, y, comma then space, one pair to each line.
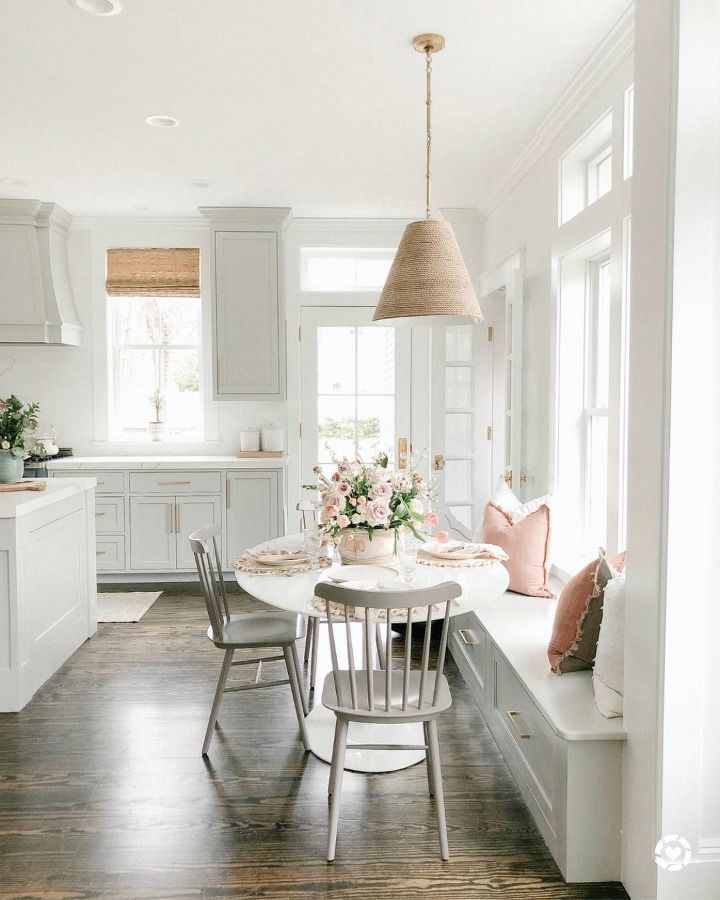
16, 418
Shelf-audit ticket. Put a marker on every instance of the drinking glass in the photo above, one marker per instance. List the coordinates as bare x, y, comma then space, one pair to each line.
313, 545
407, 555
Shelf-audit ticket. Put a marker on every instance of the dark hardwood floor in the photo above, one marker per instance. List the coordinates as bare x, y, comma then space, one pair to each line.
104, 793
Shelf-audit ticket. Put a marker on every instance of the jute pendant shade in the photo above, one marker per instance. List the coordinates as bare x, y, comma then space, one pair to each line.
428, 277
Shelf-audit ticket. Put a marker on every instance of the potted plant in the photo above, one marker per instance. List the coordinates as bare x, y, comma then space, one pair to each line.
157, 426
363, 507
16, 418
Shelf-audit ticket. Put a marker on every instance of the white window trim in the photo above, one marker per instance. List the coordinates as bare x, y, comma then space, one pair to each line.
118, 233
592, 175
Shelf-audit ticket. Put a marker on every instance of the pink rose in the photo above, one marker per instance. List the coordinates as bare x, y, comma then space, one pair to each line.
431, 518
333, 498
331, 511
343, 521
344, 487
377, 511
381, 489
361, 501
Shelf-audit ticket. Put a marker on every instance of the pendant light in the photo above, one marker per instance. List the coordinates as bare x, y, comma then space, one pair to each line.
428, 280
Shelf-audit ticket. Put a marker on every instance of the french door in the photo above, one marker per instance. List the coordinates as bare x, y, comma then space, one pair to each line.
355, 388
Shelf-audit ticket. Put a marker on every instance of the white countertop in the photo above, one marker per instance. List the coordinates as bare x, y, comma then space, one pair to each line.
18, 503
122, 463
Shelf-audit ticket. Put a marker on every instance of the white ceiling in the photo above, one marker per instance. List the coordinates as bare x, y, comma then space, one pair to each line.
313, 104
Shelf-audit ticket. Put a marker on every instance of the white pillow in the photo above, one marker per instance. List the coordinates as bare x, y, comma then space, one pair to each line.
506, 499
608, 675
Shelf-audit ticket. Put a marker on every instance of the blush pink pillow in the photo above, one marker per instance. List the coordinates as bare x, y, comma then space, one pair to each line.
527, 543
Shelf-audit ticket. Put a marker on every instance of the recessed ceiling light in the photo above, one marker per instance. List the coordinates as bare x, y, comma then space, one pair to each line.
199, 183
98, 7
13, 182
162, 121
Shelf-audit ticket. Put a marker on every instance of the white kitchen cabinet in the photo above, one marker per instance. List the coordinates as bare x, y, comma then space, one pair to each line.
247, 302
193, 513
254, 502
152, 533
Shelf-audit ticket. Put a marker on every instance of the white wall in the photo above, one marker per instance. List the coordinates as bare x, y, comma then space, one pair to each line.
527, 221
69, 383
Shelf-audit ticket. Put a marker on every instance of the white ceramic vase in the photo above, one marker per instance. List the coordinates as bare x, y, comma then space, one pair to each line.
356, 547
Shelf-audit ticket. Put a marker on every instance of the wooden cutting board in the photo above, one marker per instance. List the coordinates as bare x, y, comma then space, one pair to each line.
24, 486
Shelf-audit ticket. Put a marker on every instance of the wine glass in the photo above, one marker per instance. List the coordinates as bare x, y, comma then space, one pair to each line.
408, 546
313, 545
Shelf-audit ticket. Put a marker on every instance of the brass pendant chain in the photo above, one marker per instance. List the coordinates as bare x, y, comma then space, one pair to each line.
428, 104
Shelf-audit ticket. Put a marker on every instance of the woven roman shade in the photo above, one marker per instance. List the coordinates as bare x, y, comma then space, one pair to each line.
428, 276
153, 272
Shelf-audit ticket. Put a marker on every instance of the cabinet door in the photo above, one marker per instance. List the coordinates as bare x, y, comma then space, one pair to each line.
192, 513
253, 510
247, 316
152, 533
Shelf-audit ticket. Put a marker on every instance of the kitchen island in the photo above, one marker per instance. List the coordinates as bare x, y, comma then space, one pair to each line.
48, 595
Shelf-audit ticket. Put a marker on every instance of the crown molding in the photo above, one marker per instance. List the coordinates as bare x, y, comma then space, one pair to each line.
164, 223
613, 50
345, 224
255, 217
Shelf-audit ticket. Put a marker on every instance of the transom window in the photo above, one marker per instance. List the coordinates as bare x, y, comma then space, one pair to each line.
344, 268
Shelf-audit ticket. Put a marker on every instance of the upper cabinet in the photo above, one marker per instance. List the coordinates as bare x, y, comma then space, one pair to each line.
36, 299
247, 302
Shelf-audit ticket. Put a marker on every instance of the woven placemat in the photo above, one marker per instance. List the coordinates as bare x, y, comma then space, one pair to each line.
426, 559
248, 564
357, 613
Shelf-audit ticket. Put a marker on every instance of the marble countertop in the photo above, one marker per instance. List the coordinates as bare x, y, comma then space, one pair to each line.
18, 503
123, 463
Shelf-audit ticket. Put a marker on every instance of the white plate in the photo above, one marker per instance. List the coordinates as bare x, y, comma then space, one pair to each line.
457, 550
279, 557
343, 574
375, 584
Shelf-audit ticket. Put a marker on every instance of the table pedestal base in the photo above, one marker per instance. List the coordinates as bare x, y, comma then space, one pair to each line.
321, 730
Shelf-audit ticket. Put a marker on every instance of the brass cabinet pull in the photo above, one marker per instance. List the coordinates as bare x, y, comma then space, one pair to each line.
469, 638
177, 518
99, 514
228, 493
171, 513
512, 715
98, 482
100, 552
174, 482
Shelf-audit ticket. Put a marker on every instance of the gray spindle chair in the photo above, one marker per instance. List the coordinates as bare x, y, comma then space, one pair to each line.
263, 630
387, 696
308, 515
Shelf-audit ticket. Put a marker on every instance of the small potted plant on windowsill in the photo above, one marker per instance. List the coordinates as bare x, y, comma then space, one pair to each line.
157, 426
16, 418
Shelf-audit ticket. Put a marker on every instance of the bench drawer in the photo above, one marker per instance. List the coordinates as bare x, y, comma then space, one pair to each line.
536, 754
107, 482
174, 483
471, 643
110, 552
109, 514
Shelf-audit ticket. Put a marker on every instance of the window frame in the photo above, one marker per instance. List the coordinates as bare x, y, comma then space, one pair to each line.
592, 175
114, 349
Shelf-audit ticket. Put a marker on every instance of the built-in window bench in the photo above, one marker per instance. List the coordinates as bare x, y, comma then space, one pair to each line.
565, 756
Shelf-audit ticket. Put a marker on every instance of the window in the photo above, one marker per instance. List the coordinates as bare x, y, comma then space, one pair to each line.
599, 175
154, 341
344, 268
589, 481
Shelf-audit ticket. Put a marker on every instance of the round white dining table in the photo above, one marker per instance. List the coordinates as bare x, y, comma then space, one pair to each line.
294, 593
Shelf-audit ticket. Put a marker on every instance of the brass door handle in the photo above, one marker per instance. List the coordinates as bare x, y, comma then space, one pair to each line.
439, 462
512, 715
402, 454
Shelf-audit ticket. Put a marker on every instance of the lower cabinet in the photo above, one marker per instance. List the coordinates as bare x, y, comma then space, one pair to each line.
254, 504
160, 528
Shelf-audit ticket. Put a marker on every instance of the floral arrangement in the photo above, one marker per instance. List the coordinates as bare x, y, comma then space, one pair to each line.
371, 497
16, 418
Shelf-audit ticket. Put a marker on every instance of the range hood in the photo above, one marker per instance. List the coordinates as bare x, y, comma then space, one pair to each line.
36, 299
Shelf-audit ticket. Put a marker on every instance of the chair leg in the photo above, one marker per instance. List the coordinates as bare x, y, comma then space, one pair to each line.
434, 750
314, 655
217, 702
338, 767
298, 672
296, 693
379, 645
308, 637
428, 760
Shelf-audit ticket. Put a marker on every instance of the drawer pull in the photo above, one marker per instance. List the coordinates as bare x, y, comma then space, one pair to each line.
513, 715
99, 514
99, 482
100, 552
173, 482
468, 637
